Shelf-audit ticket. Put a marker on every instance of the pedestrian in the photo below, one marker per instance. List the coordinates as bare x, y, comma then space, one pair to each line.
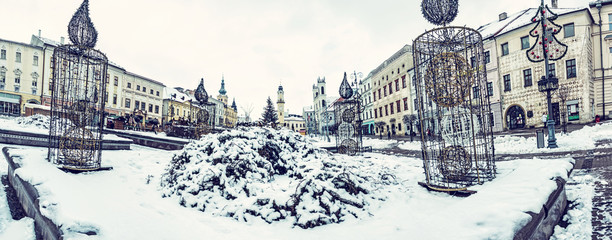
597, 119
544, 119
388, 134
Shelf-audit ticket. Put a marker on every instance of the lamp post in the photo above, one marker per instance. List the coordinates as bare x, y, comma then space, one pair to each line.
357, 76
547, 48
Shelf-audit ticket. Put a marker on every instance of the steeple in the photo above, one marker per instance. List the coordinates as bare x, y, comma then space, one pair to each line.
222, 90
234, 105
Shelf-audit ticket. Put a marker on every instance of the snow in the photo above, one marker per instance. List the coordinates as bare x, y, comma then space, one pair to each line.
128, 202
580, 190
38, 124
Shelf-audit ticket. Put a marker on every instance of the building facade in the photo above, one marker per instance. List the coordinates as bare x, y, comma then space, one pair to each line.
319, 103
365, 89
391, 92
20, 76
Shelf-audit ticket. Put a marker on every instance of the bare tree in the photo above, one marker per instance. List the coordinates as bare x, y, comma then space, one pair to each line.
381, 126
563, 92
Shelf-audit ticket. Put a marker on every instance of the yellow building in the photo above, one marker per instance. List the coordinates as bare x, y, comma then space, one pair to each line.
20, 74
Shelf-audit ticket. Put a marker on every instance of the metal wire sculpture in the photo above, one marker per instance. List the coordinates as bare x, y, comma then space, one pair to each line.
546, 45
346, 113
202, 126
456, 131
440, 12
78, 87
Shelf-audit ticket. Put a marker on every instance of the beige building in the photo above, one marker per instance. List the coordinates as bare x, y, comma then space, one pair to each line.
512, 75
125, 91
601, 12
391, 91
20, 76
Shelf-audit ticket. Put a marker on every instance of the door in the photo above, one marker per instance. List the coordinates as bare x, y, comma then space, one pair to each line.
556, 116
515, 118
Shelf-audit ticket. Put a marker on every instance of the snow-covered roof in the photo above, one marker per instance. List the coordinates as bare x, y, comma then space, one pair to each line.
517, 20
179, 97
294, 119
145, 78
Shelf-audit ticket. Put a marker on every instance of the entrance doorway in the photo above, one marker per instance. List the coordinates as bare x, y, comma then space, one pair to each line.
515, 117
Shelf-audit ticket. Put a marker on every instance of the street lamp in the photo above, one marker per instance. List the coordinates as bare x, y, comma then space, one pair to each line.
357, 76
545, 48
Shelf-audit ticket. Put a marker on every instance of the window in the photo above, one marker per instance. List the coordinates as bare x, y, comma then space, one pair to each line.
2, 77
18, 57
570, 68
156, 108
144, 89
34, 83
386, 110
151, 91
17, 80
405, 104
391, 106
476, 92
397, 85
3, 54
404, 81
610, 21
127, 103
33, 91
379, 96
504, 48
322, 90
507, 86
137, 104
568, 30
114, 98
35, 61
525, 42
375, 113
390, 88
527, 77
487, 57
138, 87
150, 107
116, 81
157, 93
385, 90
143, 106
16, 88
551, 69
374, 94
492, 119
398, 106
107, 77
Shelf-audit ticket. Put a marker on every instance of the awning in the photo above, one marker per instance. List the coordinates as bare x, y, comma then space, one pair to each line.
11, 98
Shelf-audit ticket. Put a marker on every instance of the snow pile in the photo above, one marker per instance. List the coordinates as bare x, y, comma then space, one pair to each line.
36, 121
253, 173
580, 191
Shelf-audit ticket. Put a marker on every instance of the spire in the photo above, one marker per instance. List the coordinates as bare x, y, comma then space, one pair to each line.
222, 90
234, 105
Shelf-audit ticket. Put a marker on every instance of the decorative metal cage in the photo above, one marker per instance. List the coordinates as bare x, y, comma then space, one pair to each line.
346, 113
78, 90
453, 108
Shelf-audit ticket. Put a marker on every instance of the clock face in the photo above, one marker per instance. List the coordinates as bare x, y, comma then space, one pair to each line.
448, 79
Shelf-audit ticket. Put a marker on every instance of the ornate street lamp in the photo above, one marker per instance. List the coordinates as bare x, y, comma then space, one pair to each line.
547, 48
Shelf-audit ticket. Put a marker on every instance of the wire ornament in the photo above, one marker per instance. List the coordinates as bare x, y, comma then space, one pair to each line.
440, 12
546, 45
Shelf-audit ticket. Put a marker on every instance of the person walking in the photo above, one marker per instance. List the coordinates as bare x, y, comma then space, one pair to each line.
544, 119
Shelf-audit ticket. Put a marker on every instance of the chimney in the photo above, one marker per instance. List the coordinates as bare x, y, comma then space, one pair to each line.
503, 16
62, 40
39, 32
555, 3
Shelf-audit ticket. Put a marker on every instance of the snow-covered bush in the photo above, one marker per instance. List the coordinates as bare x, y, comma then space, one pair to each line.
252, 173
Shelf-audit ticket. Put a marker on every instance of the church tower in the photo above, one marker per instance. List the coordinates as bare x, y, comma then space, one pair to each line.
281, 105
222, 97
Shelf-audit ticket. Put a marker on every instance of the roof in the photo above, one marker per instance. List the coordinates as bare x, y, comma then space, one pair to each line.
294, 119
405, 49
145, 78
518, 20
179, 97
20, 43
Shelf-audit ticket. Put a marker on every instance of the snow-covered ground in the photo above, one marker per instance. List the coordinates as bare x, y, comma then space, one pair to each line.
37, 124
127, 202
580, 190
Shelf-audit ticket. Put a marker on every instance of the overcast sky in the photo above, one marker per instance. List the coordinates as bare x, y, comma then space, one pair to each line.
255, 44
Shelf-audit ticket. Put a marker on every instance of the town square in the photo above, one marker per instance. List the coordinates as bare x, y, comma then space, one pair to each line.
421, 119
